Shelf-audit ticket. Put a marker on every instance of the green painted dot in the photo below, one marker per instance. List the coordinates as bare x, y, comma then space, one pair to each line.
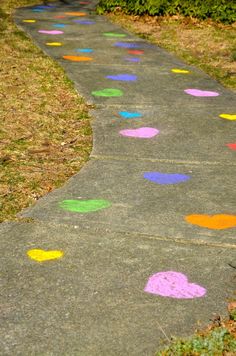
108, 92
114, 34
84, 206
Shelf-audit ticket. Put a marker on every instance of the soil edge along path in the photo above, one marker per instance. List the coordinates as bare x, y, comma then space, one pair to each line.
136, 247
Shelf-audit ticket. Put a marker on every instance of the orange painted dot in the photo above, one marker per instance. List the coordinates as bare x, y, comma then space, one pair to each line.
78, 58
76, 13
216, 222
59, 17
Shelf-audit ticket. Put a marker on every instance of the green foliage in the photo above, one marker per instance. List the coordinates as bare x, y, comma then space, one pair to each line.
217, 10
217, 342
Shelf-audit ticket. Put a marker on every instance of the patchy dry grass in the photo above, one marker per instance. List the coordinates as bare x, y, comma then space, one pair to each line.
45, 134
205, 44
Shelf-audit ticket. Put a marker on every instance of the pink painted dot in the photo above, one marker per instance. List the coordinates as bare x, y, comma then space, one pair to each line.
51, 32
142, 132
197, 92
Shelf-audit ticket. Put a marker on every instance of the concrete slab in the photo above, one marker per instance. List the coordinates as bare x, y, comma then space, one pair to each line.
92, 301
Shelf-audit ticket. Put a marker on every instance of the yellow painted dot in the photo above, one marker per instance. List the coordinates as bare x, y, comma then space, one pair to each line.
181, 71
29, 21
228, 116
56, 44
42, 255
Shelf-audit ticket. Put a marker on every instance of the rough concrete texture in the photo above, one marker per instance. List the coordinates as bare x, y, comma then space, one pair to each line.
92, 300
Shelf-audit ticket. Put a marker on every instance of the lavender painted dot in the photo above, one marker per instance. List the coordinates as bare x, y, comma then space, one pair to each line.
132, 59
166, 178
129, 114
85, 22
127, 45
123, 77
197, 92
173, 285
51, 32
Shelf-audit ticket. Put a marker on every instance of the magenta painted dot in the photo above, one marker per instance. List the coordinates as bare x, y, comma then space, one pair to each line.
51, 32
166, 178
123, 77
197, 92
142, 132
173, 285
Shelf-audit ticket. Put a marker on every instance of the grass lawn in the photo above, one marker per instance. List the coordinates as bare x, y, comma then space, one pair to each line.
45, 134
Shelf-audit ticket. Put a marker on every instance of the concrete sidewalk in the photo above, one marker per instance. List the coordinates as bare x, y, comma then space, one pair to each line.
136, 247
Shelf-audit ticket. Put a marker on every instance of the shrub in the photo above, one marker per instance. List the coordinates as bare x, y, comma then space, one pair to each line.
218, 10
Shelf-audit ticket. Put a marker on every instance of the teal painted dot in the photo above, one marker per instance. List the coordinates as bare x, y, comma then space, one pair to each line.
130, 115
59, 25
84, 50
108, 92
84, 206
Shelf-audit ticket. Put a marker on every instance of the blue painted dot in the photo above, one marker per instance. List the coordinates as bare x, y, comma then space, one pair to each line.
59, 25
37, 10
85, 22
127, 45
166, 178
123, 77
84, 50
129, 115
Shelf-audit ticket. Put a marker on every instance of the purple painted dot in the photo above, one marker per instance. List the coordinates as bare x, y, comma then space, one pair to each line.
197, 92
85, 22
132, 59
127, 45
52, 32
166, 178
123, 77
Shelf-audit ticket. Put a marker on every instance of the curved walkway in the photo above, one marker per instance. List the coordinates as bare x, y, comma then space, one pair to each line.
136, 248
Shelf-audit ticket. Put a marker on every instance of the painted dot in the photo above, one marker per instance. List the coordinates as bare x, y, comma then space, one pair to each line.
108, 92
232, 146
42, 255
126, 45
59, 25
59, 17
197, 92
84, 206
114, 34
84, 22
173, 285
129, 114
180, 71
230, 117
136, 51
166, 178
52, 32
216, 222
29, 21
76, 13
77, 58
142, 132
84, 50
37, 10
55, 44
132, 59
123, 77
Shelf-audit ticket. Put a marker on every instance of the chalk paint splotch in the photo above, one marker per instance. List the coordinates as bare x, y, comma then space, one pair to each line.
127, 45
141, 132
215, 222
166, 178
123, 77
130, 114
114, 34
84, 206
108, 92
231, 117
54, 44
180, 71
173, 285
78, 58
232, 146
51, 32
132, 59
201, 93
42, 255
